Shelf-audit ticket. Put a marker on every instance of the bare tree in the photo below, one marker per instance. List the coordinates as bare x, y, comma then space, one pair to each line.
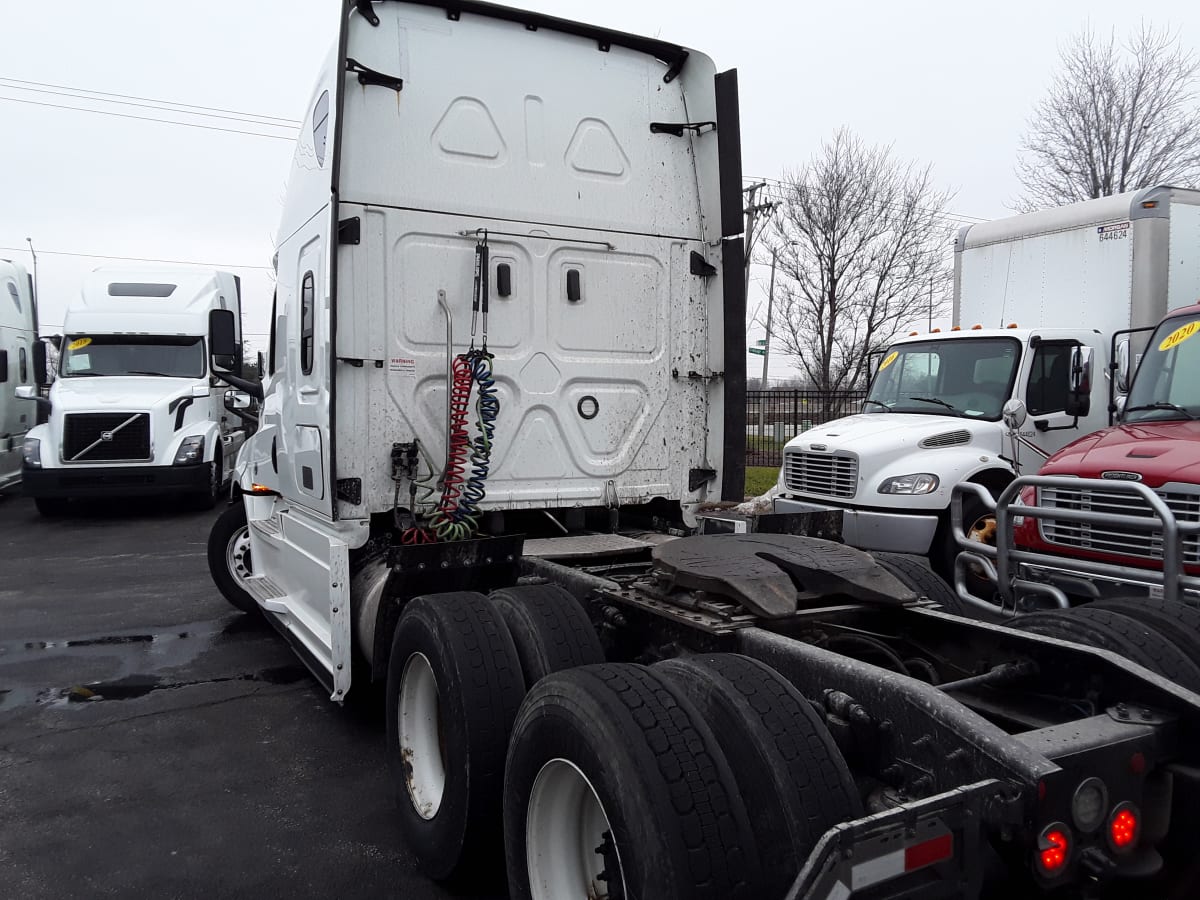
862, 250
1117, 118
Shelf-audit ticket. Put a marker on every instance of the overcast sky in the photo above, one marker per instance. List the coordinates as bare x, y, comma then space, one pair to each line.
951, 83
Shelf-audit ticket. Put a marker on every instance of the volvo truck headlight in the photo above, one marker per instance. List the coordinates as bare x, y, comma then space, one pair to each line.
31, 453
917, 483
191, 451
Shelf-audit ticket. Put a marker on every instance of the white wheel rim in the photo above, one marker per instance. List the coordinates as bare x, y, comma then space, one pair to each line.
237, 555
565, 825
420, 737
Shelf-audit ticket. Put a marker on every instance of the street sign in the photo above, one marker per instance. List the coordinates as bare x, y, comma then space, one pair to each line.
758, 351
761, 342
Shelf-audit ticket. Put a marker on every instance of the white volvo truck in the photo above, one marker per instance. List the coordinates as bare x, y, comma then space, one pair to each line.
18, 340
135, 409
503, 375
1036, 297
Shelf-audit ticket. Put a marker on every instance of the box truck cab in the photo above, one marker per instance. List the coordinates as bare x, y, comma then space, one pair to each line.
18, 337
134, 409
1060, 284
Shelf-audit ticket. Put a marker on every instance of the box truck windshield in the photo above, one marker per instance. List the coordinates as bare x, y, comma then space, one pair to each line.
969, 377
1167, 385
123, 354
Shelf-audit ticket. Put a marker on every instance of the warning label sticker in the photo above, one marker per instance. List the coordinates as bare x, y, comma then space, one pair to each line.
403, 365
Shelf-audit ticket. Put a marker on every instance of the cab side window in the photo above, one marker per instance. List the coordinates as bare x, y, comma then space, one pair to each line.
307, 310
23, 365
1047, 390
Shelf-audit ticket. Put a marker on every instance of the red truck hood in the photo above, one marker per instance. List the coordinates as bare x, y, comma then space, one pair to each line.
1160, 452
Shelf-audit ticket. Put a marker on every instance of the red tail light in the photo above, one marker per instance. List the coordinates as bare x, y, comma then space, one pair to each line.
1053, 849
1124, 827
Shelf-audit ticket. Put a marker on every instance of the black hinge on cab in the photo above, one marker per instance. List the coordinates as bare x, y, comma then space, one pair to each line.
699, 477
367, 11
678, 128
368, 75
701, 266
350, 230
350, 490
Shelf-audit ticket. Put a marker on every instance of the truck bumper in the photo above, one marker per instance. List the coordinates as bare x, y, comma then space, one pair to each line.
874, 530
113, 481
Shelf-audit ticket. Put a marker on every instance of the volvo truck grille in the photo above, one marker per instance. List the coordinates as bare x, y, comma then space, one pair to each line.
106, 437
826, 474
1115, 539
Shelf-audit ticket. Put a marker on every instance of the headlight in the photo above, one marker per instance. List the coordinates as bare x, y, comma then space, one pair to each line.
191, 451
31, 453
918, 483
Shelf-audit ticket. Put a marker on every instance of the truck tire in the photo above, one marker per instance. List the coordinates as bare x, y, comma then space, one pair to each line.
550, 629
979, 524
614, 778
787, 767
52, 507
1177, 622
1068, 625
1169, 660
913, 573
208, 498
453, 689
229, 561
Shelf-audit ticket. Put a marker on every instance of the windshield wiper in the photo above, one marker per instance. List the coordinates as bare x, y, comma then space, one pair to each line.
885, 407
145, 372
1161, 404
953, 409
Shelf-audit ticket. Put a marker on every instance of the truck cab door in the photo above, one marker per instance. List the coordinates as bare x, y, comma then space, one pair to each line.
1047, 390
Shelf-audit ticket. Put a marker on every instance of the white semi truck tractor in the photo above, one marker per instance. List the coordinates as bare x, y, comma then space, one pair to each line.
504, 381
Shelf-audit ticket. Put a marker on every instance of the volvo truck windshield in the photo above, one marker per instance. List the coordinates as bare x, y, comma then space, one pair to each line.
174, 357
967, 377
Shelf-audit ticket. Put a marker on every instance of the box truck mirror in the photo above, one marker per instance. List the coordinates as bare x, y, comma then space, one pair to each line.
1079, 391
1014, 414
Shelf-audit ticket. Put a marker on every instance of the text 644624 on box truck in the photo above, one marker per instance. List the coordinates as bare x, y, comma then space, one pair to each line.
503, 376
1037, 300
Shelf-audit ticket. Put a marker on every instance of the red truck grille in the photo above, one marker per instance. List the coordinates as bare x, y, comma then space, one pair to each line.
1115, 539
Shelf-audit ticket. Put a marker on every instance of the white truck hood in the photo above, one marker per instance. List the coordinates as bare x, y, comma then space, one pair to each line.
120, 392
893, 433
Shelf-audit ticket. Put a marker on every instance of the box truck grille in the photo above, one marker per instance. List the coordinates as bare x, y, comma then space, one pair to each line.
826, 474
106, 437
1115, 539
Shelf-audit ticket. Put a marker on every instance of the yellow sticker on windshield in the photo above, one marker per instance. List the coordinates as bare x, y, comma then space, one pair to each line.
1179, 335
888, 360
79, 343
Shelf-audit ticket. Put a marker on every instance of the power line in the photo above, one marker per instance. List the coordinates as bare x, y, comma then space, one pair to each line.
105, 112
183, 262
80, 96
293, 122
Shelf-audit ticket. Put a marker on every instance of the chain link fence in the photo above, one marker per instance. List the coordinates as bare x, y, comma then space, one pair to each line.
775, 417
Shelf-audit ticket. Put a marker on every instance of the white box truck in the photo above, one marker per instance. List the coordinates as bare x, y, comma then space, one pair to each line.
710, 716
1035, 297
18, 343
135, 409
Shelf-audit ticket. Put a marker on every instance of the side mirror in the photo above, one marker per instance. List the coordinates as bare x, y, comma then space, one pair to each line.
4, 367
222, 339
25, 392
41, 372
1014, 414
235, 400
1120, 410
1123, 371
1079, 389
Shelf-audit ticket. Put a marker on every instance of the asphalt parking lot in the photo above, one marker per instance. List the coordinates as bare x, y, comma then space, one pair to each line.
155, 743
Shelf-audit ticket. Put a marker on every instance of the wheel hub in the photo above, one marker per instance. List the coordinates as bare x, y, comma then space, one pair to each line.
237, 555
421, 744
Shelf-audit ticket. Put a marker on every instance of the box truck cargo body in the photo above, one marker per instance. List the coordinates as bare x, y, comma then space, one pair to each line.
1038, 299
18, 335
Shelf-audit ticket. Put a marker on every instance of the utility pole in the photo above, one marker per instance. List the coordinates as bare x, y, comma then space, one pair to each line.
752, 212
931, 303
762, 406
33, 253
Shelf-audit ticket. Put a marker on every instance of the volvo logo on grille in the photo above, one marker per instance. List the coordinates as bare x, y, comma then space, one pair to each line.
1121, 476
106, 435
